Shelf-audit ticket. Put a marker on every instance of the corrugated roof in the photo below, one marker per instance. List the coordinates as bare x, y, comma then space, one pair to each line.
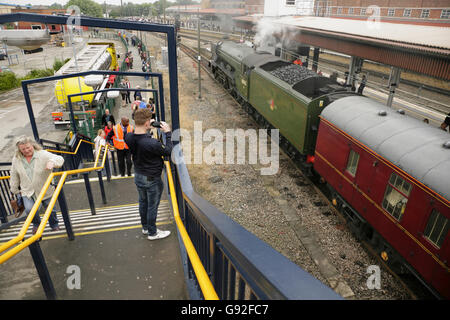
410, 144
430, 36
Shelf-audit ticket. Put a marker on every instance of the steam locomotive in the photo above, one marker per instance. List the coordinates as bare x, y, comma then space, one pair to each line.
387, 172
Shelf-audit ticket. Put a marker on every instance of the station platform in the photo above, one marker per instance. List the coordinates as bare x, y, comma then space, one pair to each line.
115, 260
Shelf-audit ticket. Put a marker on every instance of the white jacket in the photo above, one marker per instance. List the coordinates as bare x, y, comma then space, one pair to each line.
99, 141
20, 178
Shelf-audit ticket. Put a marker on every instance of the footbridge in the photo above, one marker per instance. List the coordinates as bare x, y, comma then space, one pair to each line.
100, 251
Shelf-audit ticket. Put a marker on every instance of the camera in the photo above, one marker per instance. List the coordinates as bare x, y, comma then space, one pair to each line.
156, 124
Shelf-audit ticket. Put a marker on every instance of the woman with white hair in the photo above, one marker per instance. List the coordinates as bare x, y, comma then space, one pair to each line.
31, 166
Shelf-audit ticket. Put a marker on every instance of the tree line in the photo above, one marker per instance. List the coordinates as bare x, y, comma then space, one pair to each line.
94, 9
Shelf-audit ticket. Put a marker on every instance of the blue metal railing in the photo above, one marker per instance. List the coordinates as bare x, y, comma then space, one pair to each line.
5, 194
71, 161
240, 265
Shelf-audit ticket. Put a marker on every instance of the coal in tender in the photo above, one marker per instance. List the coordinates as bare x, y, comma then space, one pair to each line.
293, 73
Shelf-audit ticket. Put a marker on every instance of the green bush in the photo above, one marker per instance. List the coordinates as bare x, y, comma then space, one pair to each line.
57, 64
8, 80
38, 73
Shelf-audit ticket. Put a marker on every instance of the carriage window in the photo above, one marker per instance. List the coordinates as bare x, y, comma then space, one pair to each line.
437, 228
396, 196
352, 164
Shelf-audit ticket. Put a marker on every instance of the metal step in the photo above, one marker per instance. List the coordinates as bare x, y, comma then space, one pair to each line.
84, 221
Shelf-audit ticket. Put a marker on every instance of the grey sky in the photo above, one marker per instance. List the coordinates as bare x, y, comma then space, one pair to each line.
49, 2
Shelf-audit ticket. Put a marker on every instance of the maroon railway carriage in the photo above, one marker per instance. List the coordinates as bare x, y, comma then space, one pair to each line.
390, 174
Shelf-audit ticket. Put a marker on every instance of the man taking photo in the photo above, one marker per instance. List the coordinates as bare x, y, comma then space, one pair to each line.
147, 155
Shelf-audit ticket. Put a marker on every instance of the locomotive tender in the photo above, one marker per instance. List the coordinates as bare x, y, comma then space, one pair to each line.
387, 172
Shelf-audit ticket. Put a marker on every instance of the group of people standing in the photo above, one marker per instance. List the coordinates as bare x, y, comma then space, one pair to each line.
31, 165
145, 60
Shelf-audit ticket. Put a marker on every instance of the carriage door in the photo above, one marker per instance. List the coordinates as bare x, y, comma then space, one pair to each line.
351, 166
436, 232
243, 81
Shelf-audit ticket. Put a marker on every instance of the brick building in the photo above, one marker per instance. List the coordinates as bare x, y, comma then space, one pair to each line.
405, 11
254, 6
227, 4
36, 25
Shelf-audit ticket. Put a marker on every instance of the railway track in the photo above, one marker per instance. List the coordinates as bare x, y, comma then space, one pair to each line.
436, 106
318, 187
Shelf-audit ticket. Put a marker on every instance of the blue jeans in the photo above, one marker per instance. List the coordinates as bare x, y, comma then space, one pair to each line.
149, 197
29, 203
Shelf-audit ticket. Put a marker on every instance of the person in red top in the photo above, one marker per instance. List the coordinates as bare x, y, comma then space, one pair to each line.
298, 62
108, 128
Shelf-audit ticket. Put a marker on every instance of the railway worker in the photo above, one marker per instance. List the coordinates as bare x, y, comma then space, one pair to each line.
31, 166
362, 84
446, 123
107, 117
123, 153
148, 163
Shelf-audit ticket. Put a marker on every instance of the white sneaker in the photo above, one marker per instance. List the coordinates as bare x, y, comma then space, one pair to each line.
160, 234
144, 231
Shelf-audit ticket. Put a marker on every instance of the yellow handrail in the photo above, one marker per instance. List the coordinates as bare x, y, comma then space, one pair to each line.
5, 256
57, 151
206, 286
70, 152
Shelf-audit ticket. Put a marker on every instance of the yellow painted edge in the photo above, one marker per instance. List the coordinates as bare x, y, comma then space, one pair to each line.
108, 207
112, 178
102, 231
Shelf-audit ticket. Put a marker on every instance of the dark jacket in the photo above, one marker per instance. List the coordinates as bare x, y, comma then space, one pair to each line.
137, 95
105, 120
147, 153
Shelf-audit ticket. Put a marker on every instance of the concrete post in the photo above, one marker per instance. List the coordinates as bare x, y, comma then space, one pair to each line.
394, 81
